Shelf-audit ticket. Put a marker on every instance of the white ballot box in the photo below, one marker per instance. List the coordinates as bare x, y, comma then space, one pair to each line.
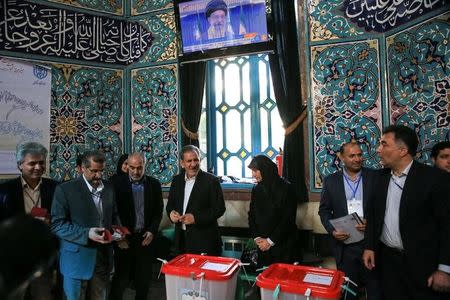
295, 282
201, 277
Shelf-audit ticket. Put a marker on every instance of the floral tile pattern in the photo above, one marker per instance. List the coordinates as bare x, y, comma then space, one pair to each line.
144, 6
419, 81
154, 119
346, 103
86, 114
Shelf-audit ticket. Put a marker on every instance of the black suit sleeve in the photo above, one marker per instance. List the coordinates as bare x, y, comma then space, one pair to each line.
325, 207
171, 200
216, 208
441, 208
157, 206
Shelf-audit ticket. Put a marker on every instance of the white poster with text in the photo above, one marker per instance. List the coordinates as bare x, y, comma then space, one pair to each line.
25, 92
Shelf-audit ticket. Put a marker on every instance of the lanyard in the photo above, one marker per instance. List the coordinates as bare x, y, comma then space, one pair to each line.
398, 185
35, 203
354, 190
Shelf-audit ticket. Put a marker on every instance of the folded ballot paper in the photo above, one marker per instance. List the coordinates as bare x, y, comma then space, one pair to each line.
347, 224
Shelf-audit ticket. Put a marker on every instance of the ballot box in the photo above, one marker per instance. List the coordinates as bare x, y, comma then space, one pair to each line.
295, 282
201, 277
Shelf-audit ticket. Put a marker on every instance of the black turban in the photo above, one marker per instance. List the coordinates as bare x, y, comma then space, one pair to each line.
214, 5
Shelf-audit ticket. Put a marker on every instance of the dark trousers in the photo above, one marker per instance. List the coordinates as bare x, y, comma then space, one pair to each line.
351, 264
397, 281
182, 246
133, 264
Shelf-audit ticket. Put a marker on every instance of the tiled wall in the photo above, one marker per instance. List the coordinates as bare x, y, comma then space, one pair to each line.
367, 72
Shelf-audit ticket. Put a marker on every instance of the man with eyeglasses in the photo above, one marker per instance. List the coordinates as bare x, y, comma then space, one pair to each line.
408, 226
83, 212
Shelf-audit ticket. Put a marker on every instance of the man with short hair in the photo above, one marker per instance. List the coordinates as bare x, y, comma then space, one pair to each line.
195, 203
32, 194
345, 192
83, 210
140, 206
440, 155
408, 227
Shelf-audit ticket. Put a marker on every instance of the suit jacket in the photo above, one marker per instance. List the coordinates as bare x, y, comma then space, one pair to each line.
333, 202
73, 214
424, 218
11, 197
206, 204
153, 203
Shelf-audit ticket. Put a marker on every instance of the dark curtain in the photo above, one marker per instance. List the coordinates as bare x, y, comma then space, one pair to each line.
192, 83
284, 67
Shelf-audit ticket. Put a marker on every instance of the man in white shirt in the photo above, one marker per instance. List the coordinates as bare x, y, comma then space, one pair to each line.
408, 227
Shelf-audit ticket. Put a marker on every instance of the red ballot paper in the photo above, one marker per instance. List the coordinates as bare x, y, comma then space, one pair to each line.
107, 236
121, 229
39, 212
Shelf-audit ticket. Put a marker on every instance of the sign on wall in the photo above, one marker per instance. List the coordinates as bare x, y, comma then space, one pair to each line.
25, 91
39, 29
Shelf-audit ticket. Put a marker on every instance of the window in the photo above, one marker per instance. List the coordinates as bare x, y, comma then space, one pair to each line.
240, 118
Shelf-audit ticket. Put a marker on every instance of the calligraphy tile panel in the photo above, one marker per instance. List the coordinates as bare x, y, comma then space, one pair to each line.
334, 19
419, 81
164, 44
346, 103
327, 21
40, 29
85, 114
106, 6
154, 119
141, 7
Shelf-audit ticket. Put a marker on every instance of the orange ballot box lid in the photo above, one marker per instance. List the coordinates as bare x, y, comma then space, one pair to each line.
296, 279
208, 267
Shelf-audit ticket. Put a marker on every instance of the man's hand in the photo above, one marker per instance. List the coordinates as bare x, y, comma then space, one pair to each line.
439, 281
362, 227
123, 244
187, 219
340, 236
97, 234
369, 259
148, 238
174, 216
262, 244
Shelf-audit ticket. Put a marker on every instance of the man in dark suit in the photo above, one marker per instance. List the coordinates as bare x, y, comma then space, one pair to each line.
345, 192
82, 210
140, 205
408, 233
194, 205
31, 194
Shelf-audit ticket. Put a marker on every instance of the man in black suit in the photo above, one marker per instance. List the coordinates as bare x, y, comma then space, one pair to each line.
345, 192
31, 194
140, 205
408, 232
194, 205
83, 209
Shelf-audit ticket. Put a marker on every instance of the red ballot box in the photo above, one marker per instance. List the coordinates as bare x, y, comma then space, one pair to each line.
295, 282
201, 277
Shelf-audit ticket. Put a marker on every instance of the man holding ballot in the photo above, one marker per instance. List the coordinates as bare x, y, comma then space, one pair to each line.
343, 193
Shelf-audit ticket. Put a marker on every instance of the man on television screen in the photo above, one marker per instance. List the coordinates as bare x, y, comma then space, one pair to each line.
217, 15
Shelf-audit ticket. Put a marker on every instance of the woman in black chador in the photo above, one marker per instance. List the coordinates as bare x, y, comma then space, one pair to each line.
272, 214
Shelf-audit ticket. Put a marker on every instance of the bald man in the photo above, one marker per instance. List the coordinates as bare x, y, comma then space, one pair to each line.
140, 205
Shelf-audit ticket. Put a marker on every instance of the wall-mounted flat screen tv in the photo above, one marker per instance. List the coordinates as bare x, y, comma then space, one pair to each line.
217, 28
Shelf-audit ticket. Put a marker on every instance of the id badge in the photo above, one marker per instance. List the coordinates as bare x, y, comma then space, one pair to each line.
355, 206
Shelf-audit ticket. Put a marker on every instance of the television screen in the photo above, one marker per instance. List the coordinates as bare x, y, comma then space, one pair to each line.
218, 24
